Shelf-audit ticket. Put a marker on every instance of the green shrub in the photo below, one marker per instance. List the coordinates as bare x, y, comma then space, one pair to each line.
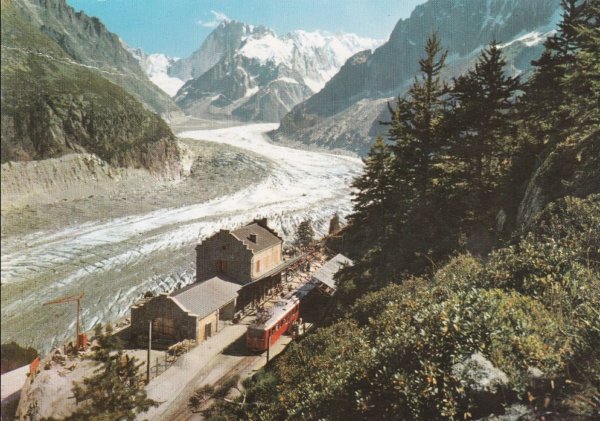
532, 305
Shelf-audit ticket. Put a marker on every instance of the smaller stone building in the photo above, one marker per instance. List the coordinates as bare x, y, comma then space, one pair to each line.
192, 312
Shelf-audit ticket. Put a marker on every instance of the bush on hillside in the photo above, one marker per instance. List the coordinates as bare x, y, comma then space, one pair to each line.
530, 312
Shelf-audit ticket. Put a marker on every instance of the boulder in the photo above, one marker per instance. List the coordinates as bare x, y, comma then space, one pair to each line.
484, 384
479, 375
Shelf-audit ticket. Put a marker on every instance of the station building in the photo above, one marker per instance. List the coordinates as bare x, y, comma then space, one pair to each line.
233, 269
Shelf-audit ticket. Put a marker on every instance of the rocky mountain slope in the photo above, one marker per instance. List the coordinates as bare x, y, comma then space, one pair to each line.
87, 41
223, 41
53, 104
252, 74
464, 26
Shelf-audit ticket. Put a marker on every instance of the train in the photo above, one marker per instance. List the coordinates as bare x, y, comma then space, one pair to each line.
269, 326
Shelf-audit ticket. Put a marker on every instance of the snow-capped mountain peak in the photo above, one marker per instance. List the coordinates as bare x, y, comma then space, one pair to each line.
316, 56
156, 67
255, 74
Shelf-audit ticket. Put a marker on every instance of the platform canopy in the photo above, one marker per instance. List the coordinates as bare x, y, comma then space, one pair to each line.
324, 277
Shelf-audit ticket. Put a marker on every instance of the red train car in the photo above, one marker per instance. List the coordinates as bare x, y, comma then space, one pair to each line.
278, 321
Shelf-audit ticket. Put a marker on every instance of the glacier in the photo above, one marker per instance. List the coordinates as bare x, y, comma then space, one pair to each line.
115, 262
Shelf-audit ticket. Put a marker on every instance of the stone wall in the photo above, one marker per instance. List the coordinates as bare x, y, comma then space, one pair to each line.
268, 258
236, 258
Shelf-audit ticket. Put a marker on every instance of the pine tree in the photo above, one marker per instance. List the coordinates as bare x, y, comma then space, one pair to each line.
544, 92
115, 391
483, 125
416, 127
305, 234
419, 175
334, 224
372, 207
370, 223
581, 80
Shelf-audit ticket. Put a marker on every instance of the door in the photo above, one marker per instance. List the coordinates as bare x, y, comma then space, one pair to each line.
207, 331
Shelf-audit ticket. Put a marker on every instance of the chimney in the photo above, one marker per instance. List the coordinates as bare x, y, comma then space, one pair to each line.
261, 222
252, 237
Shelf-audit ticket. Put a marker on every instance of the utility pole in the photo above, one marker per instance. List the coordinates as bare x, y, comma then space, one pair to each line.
149, 349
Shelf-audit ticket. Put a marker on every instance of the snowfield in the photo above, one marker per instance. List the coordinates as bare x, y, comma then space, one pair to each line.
114, 262
316, 56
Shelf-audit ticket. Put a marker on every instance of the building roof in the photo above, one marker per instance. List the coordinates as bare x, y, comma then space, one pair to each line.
328, 270
203, 298
264, 237
283, 306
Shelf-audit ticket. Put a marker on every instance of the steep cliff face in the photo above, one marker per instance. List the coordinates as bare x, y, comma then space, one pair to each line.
464, 26
567, 169
222, 42
52, 105
245, 89
252, 74
87, 41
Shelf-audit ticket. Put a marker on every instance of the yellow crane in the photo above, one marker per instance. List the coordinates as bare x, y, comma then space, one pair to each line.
70, 299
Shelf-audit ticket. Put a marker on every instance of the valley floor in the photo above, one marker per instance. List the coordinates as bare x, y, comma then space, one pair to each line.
118, 240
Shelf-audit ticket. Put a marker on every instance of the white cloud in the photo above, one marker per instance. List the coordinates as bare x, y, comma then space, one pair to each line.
218, 18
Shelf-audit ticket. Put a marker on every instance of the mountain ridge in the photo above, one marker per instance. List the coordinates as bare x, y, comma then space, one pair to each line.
53, 105
258, 75
87, 41
388, 70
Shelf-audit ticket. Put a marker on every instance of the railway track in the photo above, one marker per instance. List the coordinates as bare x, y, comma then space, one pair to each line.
179, 411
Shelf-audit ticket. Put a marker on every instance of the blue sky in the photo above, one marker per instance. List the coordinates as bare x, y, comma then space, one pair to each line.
178, 27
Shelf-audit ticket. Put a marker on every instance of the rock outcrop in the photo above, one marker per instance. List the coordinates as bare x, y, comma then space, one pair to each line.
567, 169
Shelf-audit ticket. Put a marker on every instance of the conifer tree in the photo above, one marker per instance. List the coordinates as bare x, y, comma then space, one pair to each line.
416, 127
419, 176
483, 125
581, 81
544, 92
334, 224
372, 206
305, 233
370, 224
116, 390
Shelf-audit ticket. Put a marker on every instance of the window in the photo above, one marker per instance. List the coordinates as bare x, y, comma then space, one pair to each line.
163, 327
257, 266
221, 266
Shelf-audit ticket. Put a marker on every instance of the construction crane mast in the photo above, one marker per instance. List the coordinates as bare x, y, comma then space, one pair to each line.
70, 299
